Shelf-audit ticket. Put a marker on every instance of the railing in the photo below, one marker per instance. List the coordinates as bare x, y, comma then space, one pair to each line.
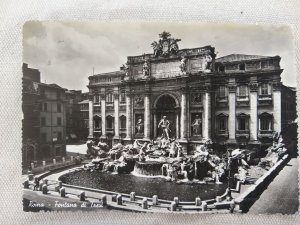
222, 133
265, 133
126, 201
265, 99
243, 133
109, 129
242, 100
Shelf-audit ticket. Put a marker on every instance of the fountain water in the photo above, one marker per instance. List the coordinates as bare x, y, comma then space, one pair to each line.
116, 169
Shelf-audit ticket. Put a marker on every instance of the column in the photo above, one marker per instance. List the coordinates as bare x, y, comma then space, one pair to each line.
207, 115
183, 116
253, 111
154, 125
116, 110
103, 117
177, 125
147, 117
91, 119
232, 114
277, 106
128, 117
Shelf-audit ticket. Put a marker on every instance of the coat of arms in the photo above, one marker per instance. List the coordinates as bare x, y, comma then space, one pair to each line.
165, 46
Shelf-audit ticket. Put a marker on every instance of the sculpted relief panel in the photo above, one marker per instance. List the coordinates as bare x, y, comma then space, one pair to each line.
169, 69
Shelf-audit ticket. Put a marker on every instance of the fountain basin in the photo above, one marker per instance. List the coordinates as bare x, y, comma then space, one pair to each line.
144, 186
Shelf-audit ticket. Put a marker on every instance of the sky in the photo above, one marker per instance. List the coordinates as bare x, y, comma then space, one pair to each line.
67, 53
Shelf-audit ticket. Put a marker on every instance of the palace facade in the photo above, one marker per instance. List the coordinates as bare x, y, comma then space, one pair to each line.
234, 100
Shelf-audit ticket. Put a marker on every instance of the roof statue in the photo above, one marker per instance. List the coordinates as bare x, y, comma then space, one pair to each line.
166, 45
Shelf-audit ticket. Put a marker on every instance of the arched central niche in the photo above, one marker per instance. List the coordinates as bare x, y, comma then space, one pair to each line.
165, 106
166, 102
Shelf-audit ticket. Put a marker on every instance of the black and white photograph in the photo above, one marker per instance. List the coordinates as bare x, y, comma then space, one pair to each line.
159, 117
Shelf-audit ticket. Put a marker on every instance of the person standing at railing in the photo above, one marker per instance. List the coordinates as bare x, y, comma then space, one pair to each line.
36, 184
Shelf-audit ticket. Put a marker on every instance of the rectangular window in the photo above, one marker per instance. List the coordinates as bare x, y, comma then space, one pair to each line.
43, 121
264, 90
242, 124
43, 137
265, 124
243, 91
109, 98
222, 124
58, 95
58, 121
123, 122
242, 66
96, 99
122, 97
45, 107
58, 107
110, 122
222, 91
59, 136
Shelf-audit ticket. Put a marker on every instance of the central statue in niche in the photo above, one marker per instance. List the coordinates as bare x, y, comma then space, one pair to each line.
164, 126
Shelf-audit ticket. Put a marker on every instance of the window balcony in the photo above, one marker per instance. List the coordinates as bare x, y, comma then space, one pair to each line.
265, 100
97, 104
109, 106
123, 130
265, 133
222, 133
110, 130
242, 100
242, 133
222, 101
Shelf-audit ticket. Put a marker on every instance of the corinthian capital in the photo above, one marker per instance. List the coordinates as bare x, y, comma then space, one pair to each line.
253, 87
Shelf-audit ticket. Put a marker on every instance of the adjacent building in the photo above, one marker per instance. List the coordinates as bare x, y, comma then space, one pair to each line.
73, 119
52, 120
44, 118
235, 100
30, 107
84, 117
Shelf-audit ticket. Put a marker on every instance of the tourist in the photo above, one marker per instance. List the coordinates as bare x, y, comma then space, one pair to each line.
78, 159
36, 184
